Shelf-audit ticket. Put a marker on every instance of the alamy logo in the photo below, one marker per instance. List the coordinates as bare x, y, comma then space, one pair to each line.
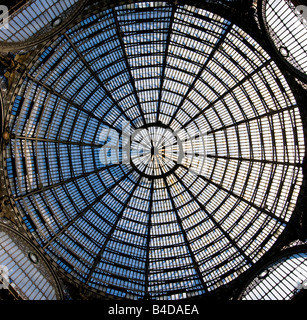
4, 17
5, 280
302, 11
4, 277
154, 149
303, 285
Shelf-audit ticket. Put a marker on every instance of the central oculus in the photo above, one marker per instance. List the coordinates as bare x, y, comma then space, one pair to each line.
155, 151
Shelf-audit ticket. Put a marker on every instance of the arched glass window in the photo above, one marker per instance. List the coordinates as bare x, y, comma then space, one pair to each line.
22, 270
285, 24
32, 18
283, 279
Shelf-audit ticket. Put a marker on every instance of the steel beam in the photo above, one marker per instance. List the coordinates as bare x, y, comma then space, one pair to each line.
203, 68
60, 183
69, 101
253, 205
217, 225
222, 96
111, 232
186, 240
148, 241
87, 65
262, 161
168, 40
120, 38
81, 213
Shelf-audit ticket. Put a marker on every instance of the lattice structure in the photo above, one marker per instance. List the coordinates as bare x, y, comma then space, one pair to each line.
206, 204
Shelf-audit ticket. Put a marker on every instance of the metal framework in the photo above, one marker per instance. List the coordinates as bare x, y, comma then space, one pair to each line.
194, 228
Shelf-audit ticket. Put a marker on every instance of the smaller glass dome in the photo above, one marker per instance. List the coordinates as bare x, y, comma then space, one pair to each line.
33, 21
282, 279
285, 23
22, 270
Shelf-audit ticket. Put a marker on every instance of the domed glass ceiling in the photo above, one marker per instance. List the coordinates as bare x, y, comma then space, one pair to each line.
157, 150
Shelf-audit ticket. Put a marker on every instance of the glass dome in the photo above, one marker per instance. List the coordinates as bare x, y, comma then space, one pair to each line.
282, 279
25, 24
285, 24
23, 270
157, 150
